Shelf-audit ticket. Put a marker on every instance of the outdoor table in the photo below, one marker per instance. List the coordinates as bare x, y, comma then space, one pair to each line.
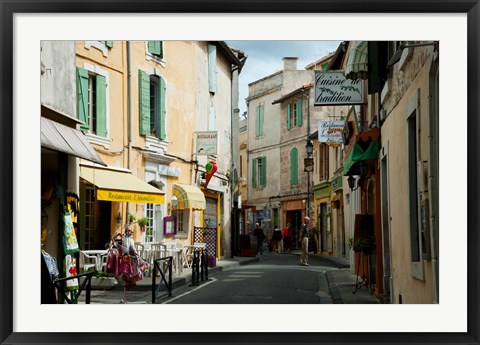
98, 253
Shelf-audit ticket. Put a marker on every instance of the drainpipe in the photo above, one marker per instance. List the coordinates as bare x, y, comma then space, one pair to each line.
130, 123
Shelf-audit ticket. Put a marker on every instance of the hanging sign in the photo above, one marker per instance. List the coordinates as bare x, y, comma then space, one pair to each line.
332, 88
330, 132
206, 143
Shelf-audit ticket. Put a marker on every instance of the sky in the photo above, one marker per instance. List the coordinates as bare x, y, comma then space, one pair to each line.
265, 58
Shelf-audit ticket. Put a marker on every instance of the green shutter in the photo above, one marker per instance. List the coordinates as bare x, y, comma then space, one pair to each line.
254, 173
101, 106
109, 44
263, 177
299, 112
163, 89
294, 166
144, 102
260, 130
155, 48
212, 66
289, 118
82, 98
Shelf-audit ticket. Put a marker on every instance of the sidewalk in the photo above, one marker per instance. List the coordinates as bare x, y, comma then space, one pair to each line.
342, 282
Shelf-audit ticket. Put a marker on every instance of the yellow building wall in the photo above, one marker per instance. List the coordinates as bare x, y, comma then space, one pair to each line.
394, 135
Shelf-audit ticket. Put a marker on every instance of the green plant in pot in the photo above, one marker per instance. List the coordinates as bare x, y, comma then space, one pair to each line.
361, 244
142, 223
131, 218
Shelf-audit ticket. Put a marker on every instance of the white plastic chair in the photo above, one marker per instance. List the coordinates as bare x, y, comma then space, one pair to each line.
87, 262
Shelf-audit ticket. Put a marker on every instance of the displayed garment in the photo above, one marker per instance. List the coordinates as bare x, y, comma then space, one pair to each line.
123, 260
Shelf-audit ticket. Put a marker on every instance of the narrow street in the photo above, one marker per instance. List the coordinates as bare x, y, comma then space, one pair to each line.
274, 279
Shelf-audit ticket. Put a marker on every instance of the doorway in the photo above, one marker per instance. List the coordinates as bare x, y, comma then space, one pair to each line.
295, 220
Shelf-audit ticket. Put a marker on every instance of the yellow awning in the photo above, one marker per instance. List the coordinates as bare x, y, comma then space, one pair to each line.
189, 197
121, 186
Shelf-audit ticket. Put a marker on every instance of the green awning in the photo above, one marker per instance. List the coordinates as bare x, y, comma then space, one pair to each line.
359, 154
357, 61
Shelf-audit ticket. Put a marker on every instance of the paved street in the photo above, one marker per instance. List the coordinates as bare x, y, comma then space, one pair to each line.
274, 279
266, 279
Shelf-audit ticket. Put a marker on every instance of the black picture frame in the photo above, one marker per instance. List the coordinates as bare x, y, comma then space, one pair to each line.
10, 7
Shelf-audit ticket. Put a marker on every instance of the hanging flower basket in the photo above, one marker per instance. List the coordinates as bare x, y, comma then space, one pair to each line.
364, 245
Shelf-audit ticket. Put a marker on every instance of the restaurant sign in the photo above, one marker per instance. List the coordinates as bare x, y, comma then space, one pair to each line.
121, 196
332, 88
330, 132
206, 143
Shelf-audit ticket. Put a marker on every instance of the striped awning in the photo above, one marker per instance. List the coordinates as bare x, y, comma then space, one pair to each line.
357, 61
189, 197
57, 137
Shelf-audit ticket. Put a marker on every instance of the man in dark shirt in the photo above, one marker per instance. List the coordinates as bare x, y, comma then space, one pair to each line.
304, 230
258, 233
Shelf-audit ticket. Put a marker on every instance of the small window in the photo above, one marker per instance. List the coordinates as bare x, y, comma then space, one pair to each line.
155, 48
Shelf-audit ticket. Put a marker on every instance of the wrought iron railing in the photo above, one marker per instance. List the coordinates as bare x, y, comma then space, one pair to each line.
162, 269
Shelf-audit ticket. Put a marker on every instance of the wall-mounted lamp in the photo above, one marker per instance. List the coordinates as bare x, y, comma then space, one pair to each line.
398, 54
174, 202
309, 147
362, 169
351, 183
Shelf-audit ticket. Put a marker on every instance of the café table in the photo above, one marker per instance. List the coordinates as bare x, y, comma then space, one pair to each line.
98, 253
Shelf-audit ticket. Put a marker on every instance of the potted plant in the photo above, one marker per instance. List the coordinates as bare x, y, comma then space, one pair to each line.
362, 244
142, 223
131, 218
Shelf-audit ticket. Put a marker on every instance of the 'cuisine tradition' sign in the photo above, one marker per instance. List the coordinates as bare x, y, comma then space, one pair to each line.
332, 88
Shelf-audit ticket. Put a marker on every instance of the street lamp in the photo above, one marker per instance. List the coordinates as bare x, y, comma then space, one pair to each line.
309, 148
362, 168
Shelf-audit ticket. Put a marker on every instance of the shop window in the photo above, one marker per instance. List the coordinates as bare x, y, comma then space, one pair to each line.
90, 219
154, 231
182, 222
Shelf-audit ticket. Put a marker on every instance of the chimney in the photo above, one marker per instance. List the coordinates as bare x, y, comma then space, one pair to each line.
290, 63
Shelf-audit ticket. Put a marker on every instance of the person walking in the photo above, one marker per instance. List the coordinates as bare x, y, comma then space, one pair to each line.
287, 238
260, 235
304, 230
276, 237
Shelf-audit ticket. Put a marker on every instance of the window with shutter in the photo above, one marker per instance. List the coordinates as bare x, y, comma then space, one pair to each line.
212, 68
101, 106
144, 102
82, 98
254, 173
299, 112
156, 48
263, 169
92, 102
289, 119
